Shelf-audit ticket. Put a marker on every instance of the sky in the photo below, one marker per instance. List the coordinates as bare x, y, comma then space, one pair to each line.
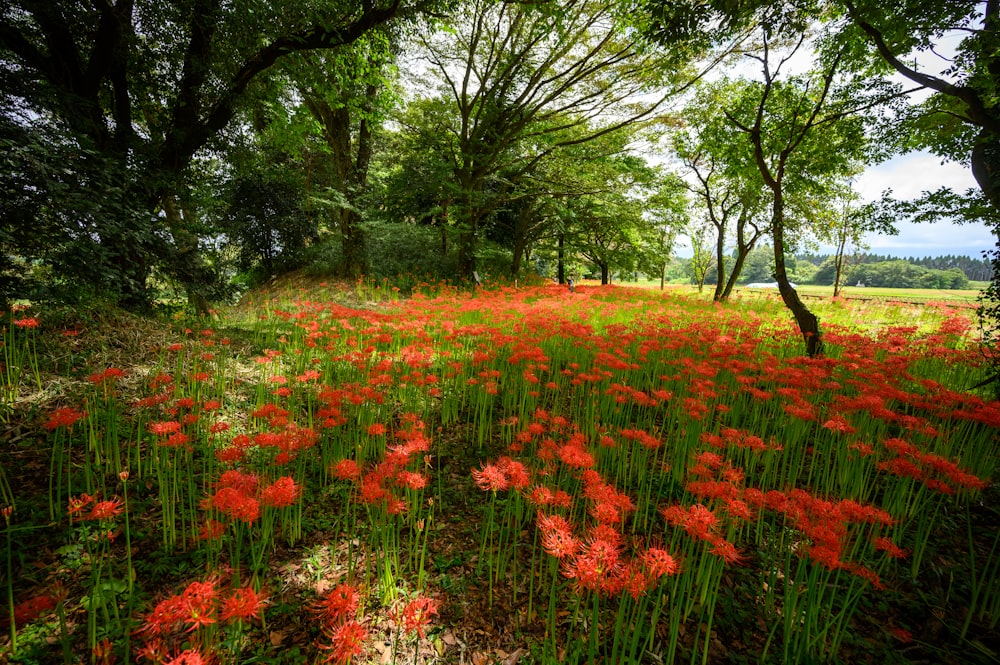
907, 176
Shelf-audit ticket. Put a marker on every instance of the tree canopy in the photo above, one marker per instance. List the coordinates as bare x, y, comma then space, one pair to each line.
193, 143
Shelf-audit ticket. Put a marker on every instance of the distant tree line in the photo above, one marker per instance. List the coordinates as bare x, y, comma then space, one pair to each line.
870, 270
976, 270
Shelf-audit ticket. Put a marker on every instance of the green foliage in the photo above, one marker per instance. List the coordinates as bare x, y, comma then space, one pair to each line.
130, 94
62, 206
905, 275
395, 250
266, 222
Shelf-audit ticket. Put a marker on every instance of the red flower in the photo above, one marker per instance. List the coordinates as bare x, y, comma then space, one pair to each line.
162, 428
110, 375
189, 657
338, 605
418, 613
243, 604
199, 604
411, 479
659, 562
346, 469
30, 322
557, 536
346, 642
77, 504
31, 609
378, 429
105, 510
490, 478
211, 530
281, 493
886, 545
65, 417
234, 503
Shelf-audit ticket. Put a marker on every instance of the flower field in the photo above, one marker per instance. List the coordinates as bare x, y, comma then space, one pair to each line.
513, 475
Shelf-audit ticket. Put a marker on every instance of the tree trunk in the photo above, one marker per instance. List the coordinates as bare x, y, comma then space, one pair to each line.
741, 257
560, 259
838, 267
720, 264
808, 323
605, 273
467, 252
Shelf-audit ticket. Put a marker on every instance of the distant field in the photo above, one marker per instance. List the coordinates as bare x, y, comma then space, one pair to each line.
854, 292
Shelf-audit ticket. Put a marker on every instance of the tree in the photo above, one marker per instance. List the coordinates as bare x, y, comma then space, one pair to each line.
140, 87
605, 207
668, 212
522, 80
805, 132
847, 229
725, 179
347, 92
701, 255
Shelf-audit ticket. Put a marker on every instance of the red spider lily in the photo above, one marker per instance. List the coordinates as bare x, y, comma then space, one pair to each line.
77, 504
103, 652
411, 479
557, 536
189, 657
230, 454
30, 322
346, 469
698, 520
234, 503
490, 478
417, 614
338, 605
154, 651
515, 472
242, 605
216, 428
346, 642
726, 550
105, 510
31, 609
575, 456
378, 429
110, 375
64, 417
633, 580
211, 530
176, 440
659, 563
281, 493
198, 601
246, 483
163, 428
886, 545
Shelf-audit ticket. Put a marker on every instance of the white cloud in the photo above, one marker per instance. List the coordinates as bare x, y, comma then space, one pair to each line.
910, 175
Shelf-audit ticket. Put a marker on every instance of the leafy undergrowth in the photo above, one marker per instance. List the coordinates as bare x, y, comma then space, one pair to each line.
330, 473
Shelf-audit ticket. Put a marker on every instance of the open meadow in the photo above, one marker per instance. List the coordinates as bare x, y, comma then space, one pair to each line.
334, 474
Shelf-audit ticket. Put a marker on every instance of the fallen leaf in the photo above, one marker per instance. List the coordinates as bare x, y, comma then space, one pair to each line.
514, 657
277, 637
479, 658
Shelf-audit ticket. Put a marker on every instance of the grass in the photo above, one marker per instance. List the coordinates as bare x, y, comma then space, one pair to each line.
967, 296
330, 473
